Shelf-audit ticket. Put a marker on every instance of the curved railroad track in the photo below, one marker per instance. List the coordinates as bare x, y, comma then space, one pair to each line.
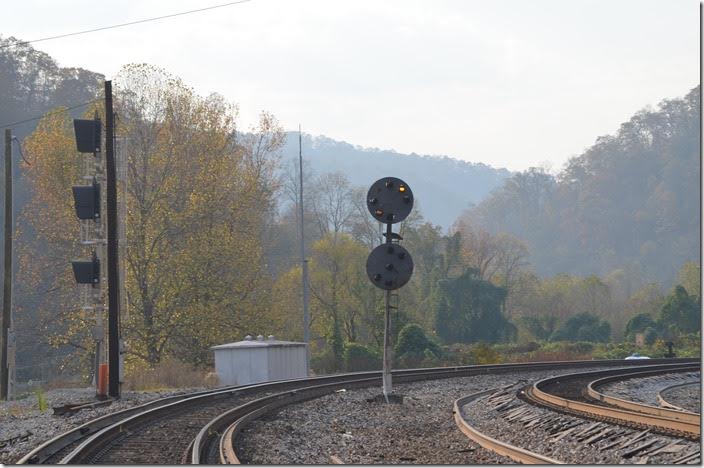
666, 403
187, 428
506, 449
663, 411
569, 395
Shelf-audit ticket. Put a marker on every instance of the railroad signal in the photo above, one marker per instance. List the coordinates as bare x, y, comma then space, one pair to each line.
390, 200
87, 271
87, 200
87, 135
389, 266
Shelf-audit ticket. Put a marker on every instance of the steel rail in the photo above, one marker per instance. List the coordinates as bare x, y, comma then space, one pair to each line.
47, 449
219, 432
209, 436
95, 443
688, 416
121, 419
513, 452
230, 423
666, 404
614, 415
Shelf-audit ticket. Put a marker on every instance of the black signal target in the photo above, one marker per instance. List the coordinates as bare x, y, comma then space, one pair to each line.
390, 200
389, 266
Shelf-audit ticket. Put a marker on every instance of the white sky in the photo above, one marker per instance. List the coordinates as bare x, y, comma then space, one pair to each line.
508, 83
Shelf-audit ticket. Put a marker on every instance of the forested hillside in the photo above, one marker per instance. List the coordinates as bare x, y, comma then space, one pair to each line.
442, 186
629, 205
31, 83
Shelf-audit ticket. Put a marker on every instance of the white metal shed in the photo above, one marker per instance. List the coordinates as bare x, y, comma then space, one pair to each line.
260, 360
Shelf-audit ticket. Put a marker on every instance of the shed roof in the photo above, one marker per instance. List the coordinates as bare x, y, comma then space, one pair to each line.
256, 343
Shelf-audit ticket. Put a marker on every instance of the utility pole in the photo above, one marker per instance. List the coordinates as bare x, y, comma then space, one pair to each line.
112, 248
304, 261
7, 277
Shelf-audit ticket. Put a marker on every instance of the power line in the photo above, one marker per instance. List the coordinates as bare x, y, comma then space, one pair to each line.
58, 111
4, 46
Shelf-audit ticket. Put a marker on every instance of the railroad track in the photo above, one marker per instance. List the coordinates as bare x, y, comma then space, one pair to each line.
627, 439
664, 402
575, 394
188, 427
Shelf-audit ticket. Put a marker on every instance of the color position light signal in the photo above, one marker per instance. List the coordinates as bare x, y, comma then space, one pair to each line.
389, 266
390, 200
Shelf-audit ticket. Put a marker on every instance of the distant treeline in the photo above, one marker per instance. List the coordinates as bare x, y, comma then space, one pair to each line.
628, 205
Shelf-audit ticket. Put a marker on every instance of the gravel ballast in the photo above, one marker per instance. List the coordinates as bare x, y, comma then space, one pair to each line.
23, 426
687, 397
346, 425
645, 390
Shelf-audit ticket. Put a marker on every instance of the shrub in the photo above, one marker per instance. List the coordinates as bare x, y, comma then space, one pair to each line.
169, 373
414, 347
583, 327
323, 363
484, 354
360, 358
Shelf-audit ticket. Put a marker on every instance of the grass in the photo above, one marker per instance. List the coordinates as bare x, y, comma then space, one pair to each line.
169, 374
41, 399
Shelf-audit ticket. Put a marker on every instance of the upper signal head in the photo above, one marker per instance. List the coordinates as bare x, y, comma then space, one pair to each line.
390, 200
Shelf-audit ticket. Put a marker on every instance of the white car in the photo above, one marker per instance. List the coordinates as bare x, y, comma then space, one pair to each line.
636, 356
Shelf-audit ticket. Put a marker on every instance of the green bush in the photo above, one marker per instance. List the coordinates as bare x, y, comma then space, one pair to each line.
414, 347
323, 363
360, 358
482, 353
583, 327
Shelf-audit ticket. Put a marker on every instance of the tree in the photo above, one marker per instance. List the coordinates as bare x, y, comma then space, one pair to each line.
639, 324
689, 277
49, 302
583, 327
681, 313
468, 309
344, 302
197, 197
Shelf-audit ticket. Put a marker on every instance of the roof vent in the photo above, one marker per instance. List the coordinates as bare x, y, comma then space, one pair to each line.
260, 338
248, 338
270, 338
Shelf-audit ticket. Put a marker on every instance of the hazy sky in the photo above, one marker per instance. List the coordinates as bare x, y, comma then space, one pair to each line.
508, 83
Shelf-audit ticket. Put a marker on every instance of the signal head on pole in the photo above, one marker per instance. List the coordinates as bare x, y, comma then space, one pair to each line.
87, 271
390, 200
389, 266
87, 135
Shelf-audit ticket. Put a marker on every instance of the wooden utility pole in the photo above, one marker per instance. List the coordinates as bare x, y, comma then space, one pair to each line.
112, 248
7, 277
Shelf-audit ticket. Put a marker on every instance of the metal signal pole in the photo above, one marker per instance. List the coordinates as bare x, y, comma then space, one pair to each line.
7, 280
387, 388
112, 248
304, 261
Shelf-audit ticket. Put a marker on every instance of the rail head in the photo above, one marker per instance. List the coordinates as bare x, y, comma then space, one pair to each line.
513, 452
662, 401
679, 414
90, 429
617, 415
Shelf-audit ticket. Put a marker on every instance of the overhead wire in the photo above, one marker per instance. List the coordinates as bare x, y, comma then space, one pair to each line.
121, 25
57, 111
156, 18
